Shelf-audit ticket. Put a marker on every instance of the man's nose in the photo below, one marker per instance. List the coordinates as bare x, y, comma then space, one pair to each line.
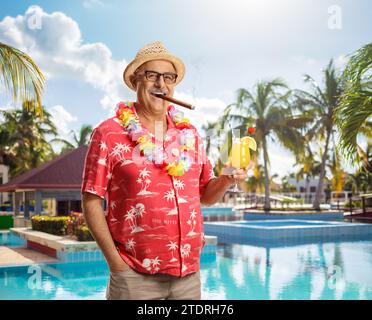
160, 82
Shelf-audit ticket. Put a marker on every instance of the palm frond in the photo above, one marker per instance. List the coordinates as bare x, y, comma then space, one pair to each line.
21, 76
353, 113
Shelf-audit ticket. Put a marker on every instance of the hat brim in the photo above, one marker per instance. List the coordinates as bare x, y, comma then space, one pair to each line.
133, 66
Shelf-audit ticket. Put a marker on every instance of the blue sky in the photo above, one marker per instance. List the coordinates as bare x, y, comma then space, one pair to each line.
82, 46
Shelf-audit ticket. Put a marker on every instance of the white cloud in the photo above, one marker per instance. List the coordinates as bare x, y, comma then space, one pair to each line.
207, 109
57, 47
62, 119
55, 43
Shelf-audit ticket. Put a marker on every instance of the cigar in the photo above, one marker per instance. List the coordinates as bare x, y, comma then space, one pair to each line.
180, 103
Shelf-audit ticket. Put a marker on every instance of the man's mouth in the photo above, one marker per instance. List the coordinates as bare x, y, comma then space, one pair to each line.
158, 92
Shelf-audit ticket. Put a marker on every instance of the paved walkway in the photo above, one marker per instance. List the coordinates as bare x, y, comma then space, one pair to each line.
22, 256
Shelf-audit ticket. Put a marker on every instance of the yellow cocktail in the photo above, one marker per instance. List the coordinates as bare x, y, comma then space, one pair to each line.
240, 155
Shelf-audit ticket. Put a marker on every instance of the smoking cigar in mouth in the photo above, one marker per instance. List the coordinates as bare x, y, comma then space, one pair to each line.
180, 103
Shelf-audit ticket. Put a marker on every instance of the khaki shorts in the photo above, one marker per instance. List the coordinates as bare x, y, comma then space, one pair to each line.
133, 285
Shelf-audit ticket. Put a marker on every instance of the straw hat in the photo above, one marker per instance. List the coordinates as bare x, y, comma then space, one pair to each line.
153, 51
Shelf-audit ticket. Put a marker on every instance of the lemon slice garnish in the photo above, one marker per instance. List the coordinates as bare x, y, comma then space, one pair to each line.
250, 141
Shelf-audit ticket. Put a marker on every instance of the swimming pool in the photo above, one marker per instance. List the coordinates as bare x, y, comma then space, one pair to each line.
287, 232
11, 240
334, 270
283, 223
217, 211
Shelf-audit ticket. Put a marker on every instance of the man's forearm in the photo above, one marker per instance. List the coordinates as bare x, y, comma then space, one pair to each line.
215, 190
96, 221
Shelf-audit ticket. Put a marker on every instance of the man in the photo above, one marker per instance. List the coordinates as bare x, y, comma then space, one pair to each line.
152, 234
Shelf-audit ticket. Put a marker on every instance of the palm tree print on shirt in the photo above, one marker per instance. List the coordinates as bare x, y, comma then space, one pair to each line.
179, 185
132, 214
130, 246
144, 180
185, 252
192, 222
112, 206
151, 264
169, 195
172, 247
103, 146
102, 161
119, 150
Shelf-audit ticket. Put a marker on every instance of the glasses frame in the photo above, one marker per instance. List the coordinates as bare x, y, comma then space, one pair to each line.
158, 75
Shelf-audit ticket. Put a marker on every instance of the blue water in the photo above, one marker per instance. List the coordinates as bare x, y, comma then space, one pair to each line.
11, 240
312, 271
217, 211
285, 223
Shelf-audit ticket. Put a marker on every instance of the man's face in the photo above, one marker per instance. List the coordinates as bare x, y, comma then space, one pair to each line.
144, 87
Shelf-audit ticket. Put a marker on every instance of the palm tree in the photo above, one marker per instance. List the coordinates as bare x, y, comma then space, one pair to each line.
353, 114
361, 181
286, 185
321, 104
21, 76
5, 157
268, 110
338, 174
23, 138
84, 136
367, 157
309, 166
256, 182
214, 134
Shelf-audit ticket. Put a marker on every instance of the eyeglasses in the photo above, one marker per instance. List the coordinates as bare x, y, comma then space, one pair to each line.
169, 77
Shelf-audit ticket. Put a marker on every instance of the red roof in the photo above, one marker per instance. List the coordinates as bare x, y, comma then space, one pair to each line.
63, 172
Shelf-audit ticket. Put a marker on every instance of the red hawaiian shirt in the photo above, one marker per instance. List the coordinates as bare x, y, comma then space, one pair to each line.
154, 218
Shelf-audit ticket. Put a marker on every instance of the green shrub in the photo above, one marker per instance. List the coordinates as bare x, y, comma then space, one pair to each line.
69, 225
83, 233
357, 204
52, 225
6, 221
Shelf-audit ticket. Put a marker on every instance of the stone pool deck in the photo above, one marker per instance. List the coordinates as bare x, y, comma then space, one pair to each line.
253, 214
64, 249
22, 256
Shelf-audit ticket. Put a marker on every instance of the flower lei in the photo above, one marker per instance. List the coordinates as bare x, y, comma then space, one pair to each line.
128, 118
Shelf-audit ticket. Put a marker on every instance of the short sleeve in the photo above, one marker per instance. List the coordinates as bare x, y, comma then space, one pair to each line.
97, 166
206, 175
206, 172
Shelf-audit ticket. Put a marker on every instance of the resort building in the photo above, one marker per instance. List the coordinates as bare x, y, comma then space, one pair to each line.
53, 188
4, 178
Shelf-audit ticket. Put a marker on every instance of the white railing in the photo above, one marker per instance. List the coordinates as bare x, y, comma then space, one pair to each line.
305, 199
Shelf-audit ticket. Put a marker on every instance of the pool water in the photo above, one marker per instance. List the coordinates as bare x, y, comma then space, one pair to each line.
334, 270
11, 240
217, 211
285, 223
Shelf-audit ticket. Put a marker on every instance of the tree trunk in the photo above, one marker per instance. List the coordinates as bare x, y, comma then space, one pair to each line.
322, 173
307, 188
267, 185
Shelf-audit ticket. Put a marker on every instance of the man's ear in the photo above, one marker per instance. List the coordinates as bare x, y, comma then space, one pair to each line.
133, 81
